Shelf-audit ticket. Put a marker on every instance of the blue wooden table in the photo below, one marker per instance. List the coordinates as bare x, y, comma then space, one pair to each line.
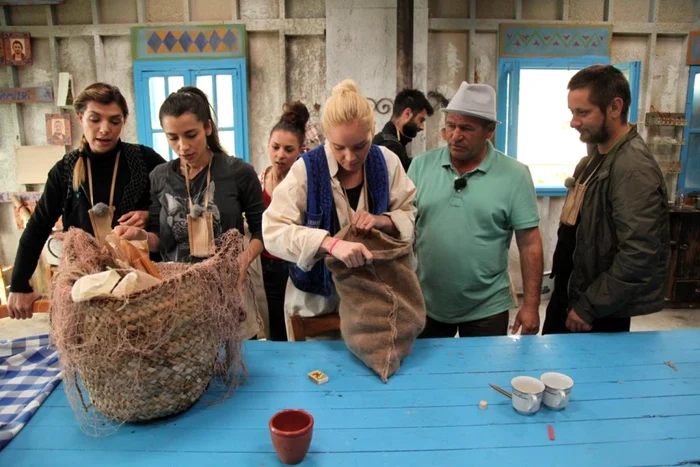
628, 408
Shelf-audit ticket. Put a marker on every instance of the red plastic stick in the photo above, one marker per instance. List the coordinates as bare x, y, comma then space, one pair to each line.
550, 430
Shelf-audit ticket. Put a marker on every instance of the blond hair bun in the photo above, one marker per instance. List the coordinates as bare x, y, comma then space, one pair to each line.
347, 85
347, 106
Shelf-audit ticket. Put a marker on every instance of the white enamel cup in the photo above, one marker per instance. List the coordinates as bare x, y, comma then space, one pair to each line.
557, 390
527, 394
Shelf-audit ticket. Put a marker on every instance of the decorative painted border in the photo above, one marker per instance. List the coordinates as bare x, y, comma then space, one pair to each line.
693, 57
189, 42
552, 40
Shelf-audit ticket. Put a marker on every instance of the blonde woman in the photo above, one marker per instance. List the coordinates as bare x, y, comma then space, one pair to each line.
346, 181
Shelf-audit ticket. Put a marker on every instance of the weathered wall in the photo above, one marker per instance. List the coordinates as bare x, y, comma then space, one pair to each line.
264, 104
360, 43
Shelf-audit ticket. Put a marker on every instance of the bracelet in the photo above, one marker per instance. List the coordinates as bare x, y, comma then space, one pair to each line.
335, 241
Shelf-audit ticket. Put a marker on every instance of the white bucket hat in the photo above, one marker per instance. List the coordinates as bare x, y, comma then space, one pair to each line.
475, 100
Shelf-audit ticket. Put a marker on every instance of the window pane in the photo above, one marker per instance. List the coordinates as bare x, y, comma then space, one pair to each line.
205, 83
228, 141
543, 104
156, 93
160, 145
695, 117
175, 83
692, 168
224, 97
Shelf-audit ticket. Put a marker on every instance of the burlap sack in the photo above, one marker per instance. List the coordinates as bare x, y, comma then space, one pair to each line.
381, 305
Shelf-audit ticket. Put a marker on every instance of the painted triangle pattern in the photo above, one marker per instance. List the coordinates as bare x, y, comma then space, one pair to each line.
519, 41
193, 41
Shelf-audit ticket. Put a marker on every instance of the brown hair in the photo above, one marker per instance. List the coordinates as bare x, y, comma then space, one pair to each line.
104, 94
193, 100
605, 83
293, 120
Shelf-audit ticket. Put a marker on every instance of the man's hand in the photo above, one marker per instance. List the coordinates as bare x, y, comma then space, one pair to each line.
528, 318
574, 323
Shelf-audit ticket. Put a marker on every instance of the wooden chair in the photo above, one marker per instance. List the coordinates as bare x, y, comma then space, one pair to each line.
303, 327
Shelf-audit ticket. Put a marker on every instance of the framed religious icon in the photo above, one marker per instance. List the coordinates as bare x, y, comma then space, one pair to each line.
18, 48
693, 56
58, 130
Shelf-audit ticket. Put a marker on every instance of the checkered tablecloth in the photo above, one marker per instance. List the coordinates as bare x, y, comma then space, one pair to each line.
29, 371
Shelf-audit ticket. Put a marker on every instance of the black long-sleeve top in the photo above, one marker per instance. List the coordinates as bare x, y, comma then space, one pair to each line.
131, 193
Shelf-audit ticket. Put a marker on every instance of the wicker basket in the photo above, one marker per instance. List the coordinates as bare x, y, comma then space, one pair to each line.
164, 348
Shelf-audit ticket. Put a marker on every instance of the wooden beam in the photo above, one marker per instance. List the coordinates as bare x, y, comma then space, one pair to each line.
95, 9
53, 46
282, 9
15, 109
633, 28
564, 10
235, 13
100, 67
647, 91
4, 16
420, 60
518, 9
282, 43
471, 42
608, 10
653, 11
292, 27
404, 45
97, 42
141, 11
187, 14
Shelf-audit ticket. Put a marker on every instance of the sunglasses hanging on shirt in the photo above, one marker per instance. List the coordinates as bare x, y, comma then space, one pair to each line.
460, 184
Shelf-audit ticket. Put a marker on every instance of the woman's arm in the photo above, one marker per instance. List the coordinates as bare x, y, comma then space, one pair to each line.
284, 232
37, 231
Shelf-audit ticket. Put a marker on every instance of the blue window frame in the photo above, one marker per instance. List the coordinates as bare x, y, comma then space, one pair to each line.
689, 178
224, 82
509, 99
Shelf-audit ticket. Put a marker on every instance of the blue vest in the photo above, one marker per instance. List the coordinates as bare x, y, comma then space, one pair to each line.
320, 208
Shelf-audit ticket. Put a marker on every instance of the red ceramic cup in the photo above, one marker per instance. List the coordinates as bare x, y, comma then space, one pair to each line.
291, 432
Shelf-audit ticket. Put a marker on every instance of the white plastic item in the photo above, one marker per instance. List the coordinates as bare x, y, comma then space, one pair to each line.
94, 285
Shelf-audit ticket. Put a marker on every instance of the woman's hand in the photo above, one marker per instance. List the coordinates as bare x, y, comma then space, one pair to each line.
352, 254
125, 232
19, 305
244, 260
363, 222
134, 218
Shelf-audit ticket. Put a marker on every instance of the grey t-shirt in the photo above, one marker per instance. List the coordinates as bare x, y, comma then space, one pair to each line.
234, 191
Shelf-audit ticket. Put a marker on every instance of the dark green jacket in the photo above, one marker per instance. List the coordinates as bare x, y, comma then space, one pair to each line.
622, 256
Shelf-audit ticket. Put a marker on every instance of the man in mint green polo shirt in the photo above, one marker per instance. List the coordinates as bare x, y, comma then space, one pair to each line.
470, 200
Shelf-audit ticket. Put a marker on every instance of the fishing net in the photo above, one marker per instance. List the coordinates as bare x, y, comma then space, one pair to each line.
153, 353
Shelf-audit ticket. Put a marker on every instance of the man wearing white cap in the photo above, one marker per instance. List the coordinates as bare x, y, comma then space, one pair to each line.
470, 200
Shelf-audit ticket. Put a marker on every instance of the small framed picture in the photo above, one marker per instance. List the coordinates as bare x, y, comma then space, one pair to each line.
693, 56
18, 48
58, 130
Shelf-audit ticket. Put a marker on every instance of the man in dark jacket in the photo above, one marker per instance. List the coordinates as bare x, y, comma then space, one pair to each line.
411, 108
613, 253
